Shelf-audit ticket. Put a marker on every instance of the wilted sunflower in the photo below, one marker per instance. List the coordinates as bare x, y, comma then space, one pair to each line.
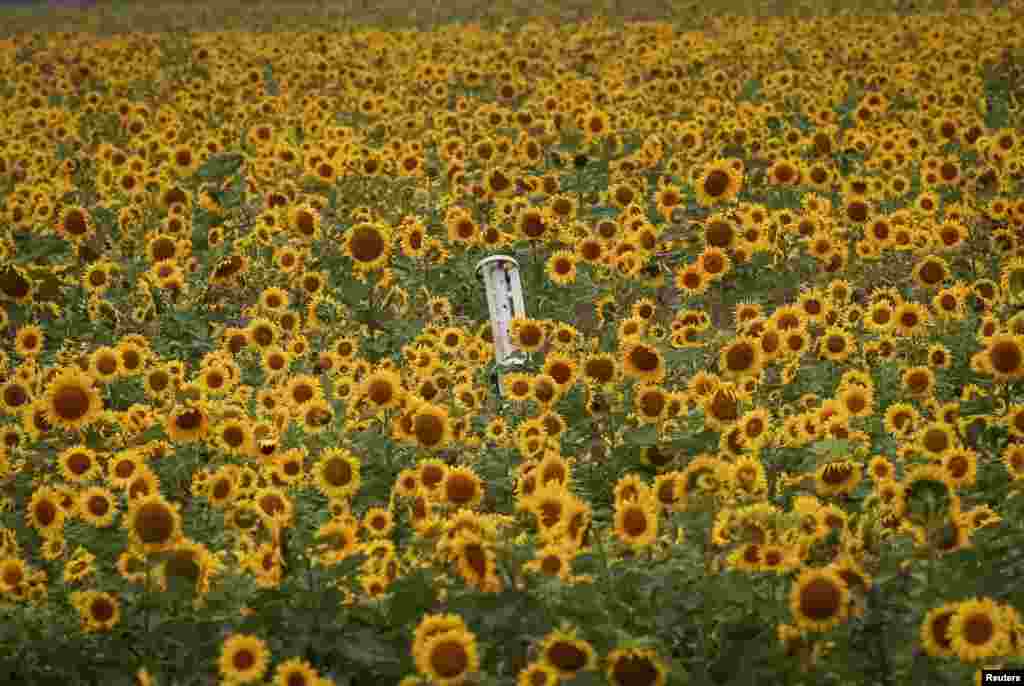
243, 659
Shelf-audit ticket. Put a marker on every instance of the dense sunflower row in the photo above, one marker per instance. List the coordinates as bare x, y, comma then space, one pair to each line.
789, 239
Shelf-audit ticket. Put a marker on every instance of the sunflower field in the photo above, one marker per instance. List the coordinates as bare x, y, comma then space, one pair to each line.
770, 427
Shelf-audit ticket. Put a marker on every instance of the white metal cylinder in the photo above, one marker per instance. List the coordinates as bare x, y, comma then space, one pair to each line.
500, 274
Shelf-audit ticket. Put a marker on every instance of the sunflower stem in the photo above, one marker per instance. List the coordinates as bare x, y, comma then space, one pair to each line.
147, 603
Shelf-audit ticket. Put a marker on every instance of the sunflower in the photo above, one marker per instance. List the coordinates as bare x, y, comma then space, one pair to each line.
97, 506
369, 246
448, 657
919, 382
461, 487
75, 224
834, 478
819, 599
44, 512
934, 631
517, 386
243, 659
537, 674
977, 631
153, 523
650, 402
857, 401
561, 268
936, 439
740, 358
378, 522
432, 472
72, 400
1013, 459
930, 272
718, 183
881, 469
721, 408
383, 388
222, 487
836, 344
295, 672
301, 390
635, 667
544, 390
527, 334
636, 521
928, 493
79, 464
98, 611
910, 319
961, 467
274, 504
336, 540
643, 361
567, 653
15, 395
1004, 357
28, 341
188, 422
431, 427
475, 560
